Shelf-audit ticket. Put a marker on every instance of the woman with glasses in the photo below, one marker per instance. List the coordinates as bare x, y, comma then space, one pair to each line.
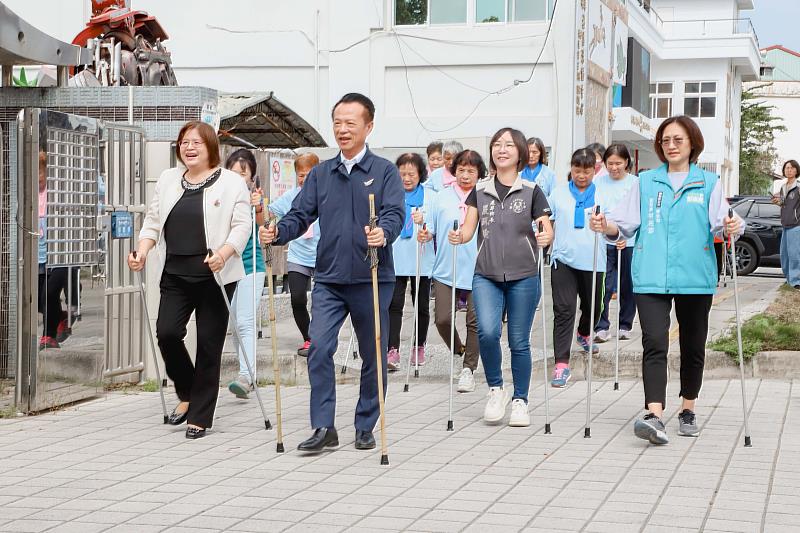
195, 208
505, 210
673, 213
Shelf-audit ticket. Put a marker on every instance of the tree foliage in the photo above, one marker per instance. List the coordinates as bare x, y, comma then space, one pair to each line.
757, 154
411, 12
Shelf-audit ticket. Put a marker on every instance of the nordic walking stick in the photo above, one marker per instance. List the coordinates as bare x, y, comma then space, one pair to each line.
747, 441
415, 334
373, 260
350, 348
452, 333
544, 341
587, 430
152, 342
619, 305
276, 369
235, 327
256, 318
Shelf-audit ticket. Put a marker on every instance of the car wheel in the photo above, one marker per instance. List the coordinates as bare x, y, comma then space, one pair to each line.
746, 258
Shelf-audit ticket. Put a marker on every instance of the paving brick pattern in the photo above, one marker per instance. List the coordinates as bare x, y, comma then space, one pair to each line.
109, 465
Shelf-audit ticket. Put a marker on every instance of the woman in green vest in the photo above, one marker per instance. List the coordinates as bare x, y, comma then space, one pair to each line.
673, 214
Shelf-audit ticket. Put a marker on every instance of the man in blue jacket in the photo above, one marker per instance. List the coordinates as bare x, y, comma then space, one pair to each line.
337, 193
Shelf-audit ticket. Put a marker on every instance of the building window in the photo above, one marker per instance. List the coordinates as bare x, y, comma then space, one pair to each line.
661, 100
420, 12
700, 99
410, 12
448, 11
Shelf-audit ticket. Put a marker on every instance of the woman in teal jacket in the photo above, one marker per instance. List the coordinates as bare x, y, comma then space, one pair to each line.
673, 213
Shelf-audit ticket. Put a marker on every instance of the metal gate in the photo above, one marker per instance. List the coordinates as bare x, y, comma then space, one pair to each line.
57, 248
122, 167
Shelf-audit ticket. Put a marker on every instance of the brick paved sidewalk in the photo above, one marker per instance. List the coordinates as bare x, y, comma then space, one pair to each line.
110, 465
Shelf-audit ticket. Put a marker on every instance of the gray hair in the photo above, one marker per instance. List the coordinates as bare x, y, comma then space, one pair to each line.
453, 147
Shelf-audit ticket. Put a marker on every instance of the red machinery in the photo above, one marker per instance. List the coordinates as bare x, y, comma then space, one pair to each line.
129, 49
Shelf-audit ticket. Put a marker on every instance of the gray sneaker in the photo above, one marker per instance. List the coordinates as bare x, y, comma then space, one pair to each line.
241, 387
602, 335
687, 424
625, 334
651, 428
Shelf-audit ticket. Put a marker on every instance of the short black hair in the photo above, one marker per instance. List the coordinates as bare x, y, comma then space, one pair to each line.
243, 156
583, 158
435, 146
597, 148
619, 150
417, 161
359, 98
468, 158
793, 163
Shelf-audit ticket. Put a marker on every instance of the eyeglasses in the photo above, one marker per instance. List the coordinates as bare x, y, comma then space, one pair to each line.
187, 144
507, 146
677, 141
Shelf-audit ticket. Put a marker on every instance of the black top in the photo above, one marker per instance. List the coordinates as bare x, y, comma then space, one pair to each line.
185, 236
539, 207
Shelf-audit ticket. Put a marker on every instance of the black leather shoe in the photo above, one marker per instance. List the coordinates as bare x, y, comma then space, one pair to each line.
365, 440
322, 437
176, 419
195, 433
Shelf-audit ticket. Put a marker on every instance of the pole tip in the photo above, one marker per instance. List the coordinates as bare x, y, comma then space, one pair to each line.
587, 433
547, 429
267, 425
616, 385
279, 448
344, 370
449, 425
405, 388
166, 419
416, 373
164, 382
747, 442
384, 460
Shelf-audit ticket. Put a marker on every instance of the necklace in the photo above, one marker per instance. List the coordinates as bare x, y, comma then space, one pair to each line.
195, 186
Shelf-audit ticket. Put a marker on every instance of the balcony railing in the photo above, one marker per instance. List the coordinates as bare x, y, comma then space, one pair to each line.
690, 29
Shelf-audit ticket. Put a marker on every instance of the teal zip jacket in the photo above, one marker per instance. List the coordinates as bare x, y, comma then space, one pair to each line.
674, 251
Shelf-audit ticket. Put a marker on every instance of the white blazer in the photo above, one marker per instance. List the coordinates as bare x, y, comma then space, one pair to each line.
226, 216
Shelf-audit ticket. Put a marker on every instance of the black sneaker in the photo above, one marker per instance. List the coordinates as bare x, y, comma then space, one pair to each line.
687, 424
651, 428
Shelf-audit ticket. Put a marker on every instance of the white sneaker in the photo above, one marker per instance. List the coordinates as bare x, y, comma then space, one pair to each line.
602, 335
466, 381
625, 334
519, 414
496, 406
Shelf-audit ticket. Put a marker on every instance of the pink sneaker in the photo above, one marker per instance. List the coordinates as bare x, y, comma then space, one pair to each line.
393, 360
420, 355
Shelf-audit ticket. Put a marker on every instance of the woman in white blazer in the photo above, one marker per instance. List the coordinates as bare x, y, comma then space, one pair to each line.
194, 209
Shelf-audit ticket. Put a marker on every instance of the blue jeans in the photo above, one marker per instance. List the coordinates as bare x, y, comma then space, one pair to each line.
520, 299
790, 255
245, 307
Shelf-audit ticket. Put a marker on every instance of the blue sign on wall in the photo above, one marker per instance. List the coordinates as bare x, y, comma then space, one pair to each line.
121, 225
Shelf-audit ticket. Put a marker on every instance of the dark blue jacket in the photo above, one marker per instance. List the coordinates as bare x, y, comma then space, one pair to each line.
341, 203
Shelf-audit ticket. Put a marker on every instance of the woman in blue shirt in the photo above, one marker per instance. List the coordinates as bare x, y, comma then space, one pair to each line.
244, 303
419, 200
537, 170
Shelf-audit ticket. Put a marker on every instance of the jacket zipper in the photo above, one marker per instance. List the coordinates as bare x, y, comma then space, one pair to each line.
531, 248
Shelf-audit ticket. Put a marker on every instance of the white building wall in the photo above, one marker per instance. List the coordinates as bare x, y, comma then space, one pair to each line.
784, 96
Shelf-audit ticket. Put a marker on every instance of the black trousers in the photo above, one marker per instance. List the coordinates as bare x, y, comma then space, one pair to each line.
399, 300
198, 383
692, 312
567, 285
51, 282
298, 287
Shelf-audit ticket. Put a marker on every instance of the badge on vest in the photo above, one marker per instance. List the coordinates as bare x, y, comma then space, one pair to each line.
368, 182
518, 205
695, 198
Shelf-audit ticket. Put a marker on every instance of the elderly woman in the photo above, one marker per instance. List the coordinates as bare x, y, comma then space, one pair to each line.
194, 209
537, 170
441, 178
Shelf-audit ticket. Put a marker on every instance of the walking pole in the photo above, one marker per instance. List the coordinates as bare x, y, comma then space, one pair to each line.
276, 369
235, 327
452, 333
152, 342
587, 431
747, 441
415, 334
350, 347
619, 306
373, 259
544, 342
256, 318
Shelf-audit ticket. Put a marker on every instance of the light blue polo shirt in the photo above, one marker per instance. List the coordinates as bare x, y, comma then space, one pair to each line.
574, 246
405, 250
302, 251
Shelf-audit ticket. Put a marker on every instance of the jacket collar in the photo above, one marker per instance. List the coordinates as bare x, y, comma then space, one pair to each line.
365, 163
694, 179
491, 190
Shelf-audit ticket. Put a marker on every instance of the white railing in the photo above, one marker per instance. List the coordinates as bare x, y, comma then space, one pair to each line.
690, 29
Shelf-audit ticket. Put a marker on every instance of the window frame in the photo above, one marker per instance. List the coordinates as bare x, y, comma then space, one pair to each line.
656, 96
699, 95
471, 15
